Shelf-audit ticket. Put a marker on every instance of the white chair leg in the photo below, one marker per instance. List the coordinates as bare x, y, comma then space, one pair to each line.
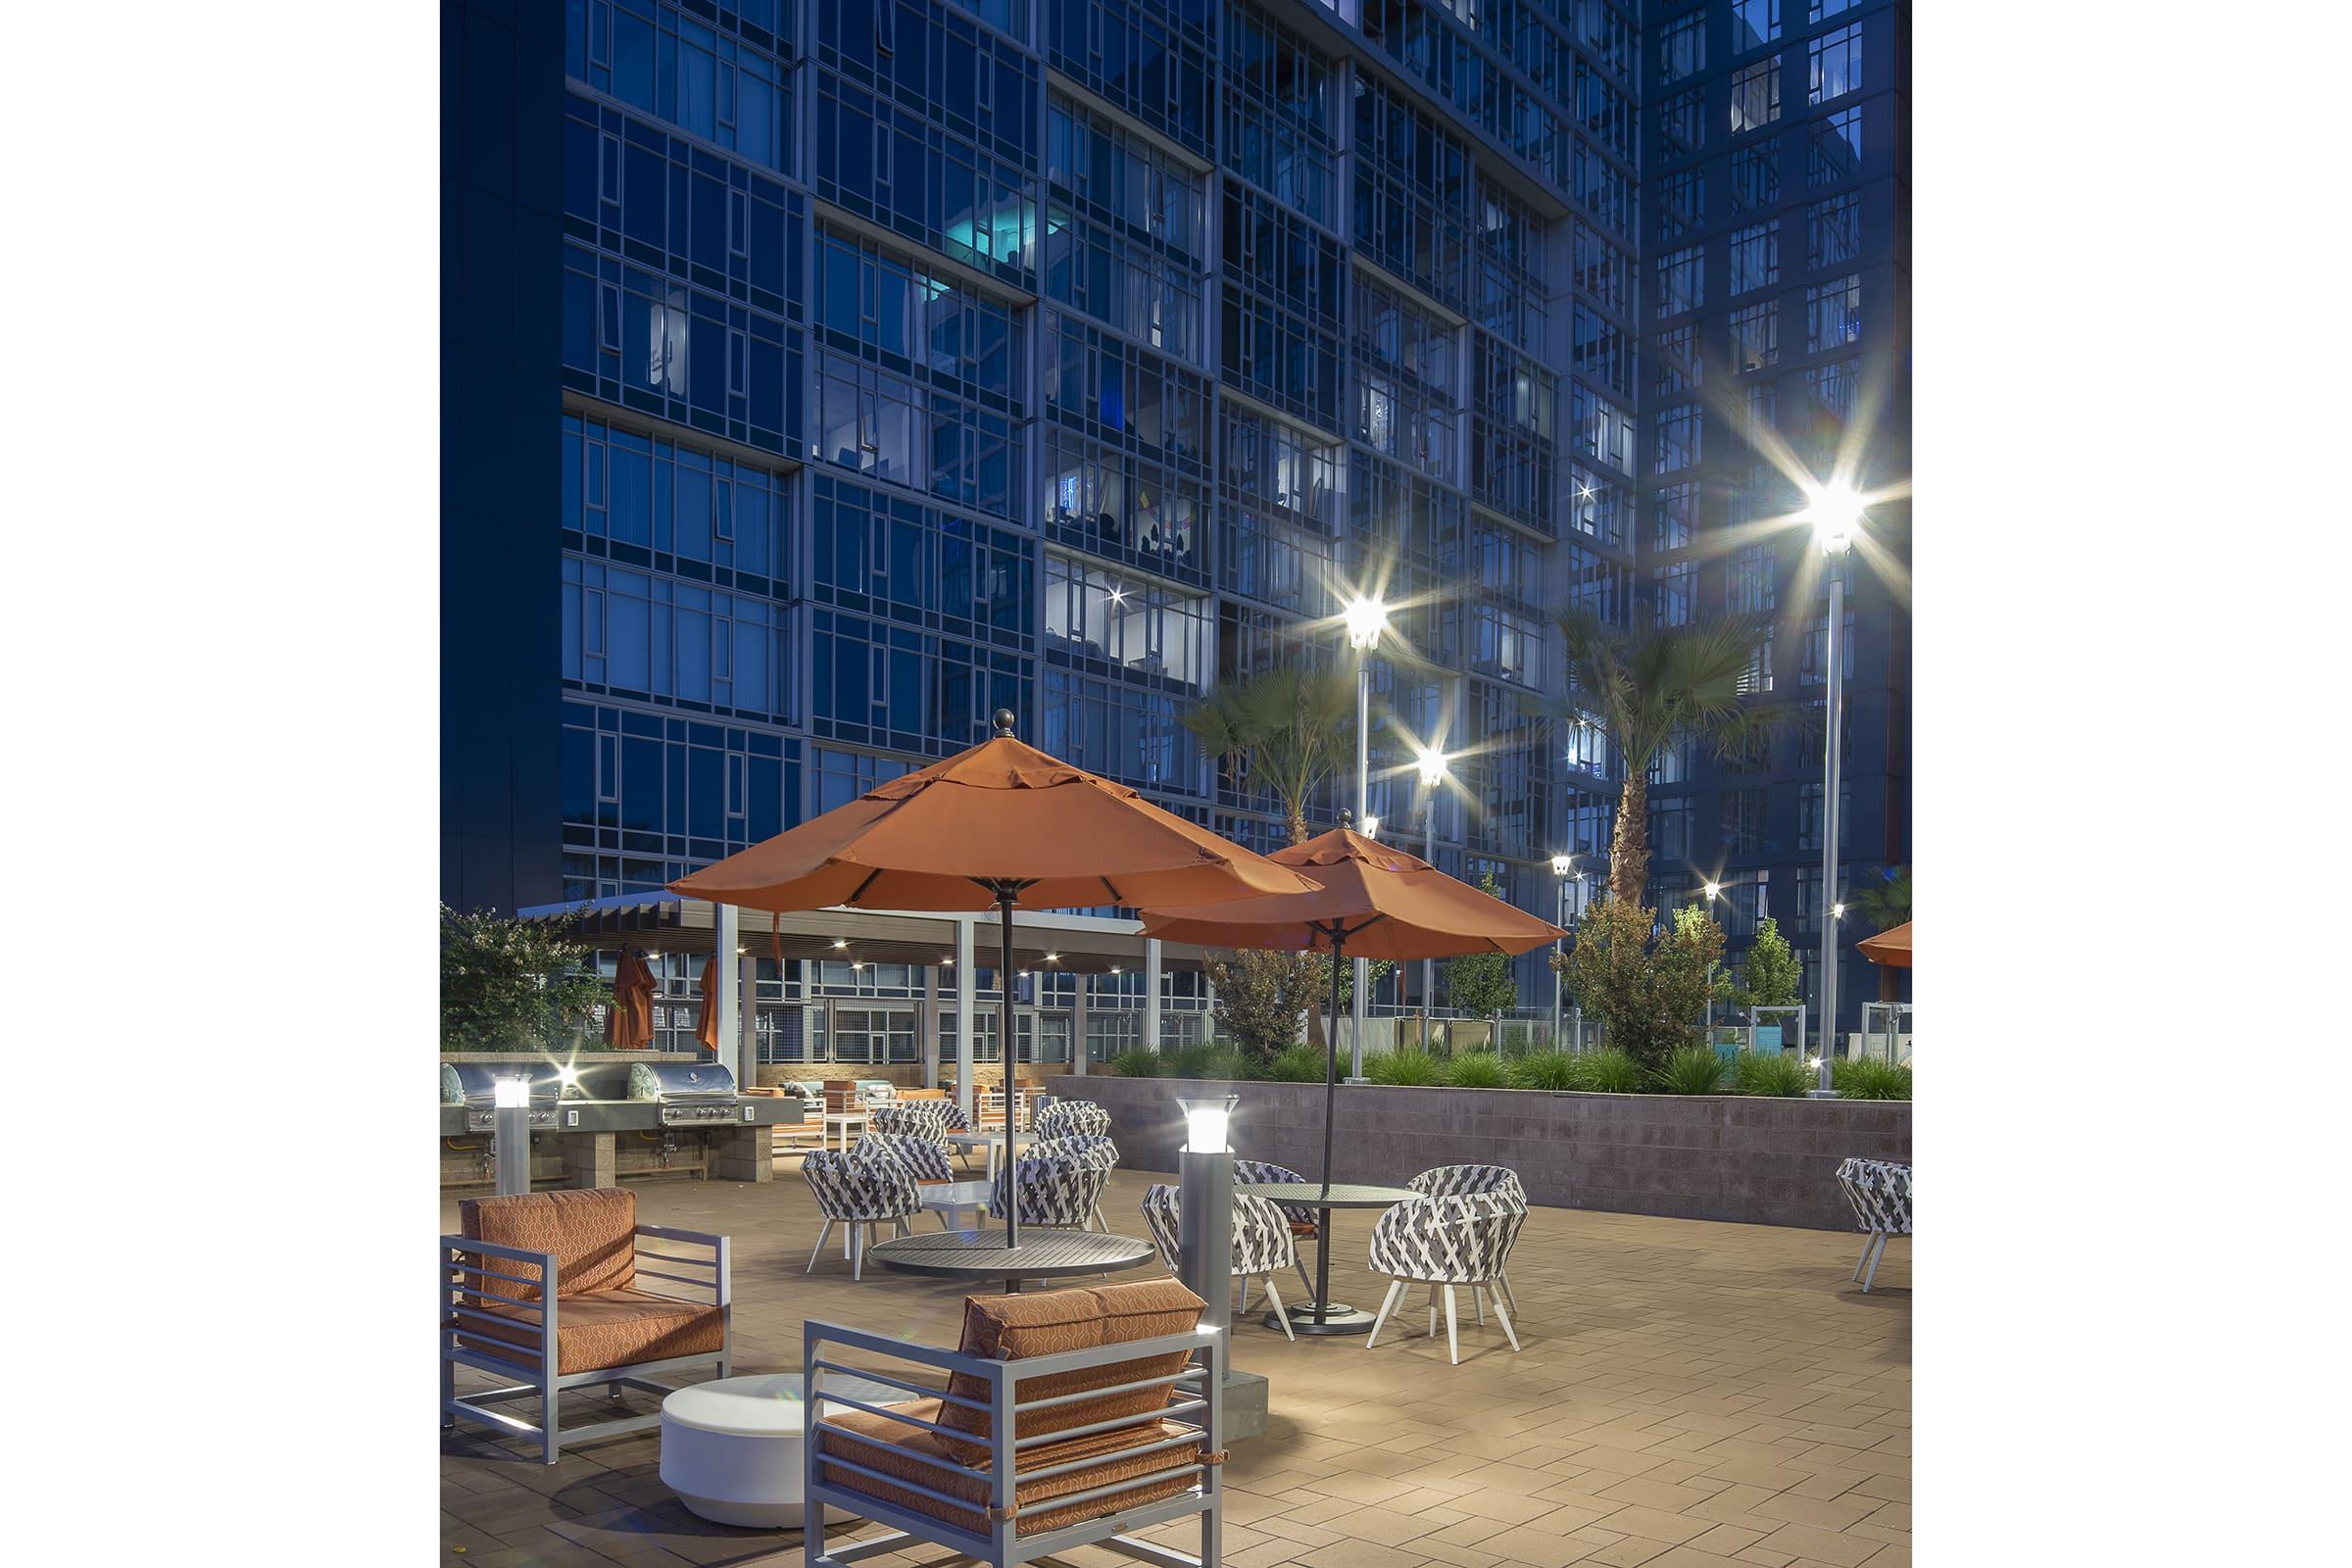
1504, 1280
858, 1230
1245, 1308
1454, 1344
1877, 1252
1504, 1318
1869, 1242
1304, 1283
1280, 1317
819, 1247
1387, 1304
1432, 1309
1478, 1304
1100, 1223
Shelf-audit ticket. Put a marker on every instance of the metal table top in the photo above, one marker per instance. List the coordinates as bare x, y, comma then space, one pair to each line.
1043, 1253
1339, 1194
956, 1194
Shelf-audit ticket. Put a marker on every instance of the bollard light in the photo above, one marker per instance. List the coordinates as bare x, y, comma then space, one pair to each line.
1206, 1122
510, 1093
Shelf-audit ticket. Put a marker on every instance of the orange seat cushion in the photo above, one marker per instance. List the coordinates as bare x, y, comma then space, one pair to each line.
601, 1328
592, 1230
941, 1469
1009, 1327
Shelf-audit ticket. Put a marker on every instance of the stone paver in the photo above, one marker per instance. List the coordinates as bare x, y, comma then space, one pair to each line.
1690, 1394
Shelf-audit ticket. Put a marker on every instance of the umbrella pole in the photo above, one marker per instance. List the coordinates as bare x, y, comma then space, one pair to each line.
1331, 1050
1010, 1166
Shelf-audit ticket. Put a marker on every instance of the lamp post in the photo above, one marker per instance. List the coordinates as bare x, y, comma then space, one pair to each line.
1836, 514
510, 1134
1433, 773
1563, 867
1205, 1205
1366, 619
1713, 891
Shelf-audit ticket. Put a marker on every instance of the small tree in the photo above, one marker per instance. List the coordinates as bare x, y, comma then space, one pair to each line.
1651, 995
1259, 1002
1480, 983
1770, 976
510, 986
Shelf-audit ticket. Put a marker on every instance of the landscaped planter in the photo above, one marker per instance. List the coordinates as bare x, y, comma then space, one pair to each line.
1754, 1161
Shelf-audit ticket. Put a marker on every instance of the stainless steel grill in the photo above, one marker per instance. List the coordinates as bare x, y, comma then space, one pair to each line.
474, 1086
686, 1094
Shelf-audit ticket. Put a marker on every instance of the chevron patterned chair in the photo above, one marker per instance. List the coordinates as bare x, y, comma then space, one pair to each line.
1464, 1238
1087, 1149
1066, 1118
1880, 1190
1053, 1189
862, 1188
1263, 1242
1499, 1181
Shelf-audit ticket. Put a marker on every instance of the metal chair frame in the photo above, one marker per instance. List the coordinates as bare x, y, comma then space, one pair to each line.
1202, 1397
538, 1364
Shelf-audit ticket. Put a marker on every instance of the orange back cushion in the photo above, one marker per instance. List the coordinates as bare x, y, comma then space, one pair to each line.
592, 1230
1011, 1328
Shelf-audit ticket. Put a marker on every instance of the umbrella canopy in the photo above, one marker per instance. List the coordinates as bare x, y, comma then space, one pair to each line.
705, 1028
1375, 902
629, 1021
951, 836
1892, 947
1381, 902
1001, 825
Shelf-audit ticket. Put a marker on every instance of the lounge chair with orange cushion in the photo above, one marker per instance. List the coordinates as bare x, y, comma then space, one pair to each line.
1066, 1418
607, 1322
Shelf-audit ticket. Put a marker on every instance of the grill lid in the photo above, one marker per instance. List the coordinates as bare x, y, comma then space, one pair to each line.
474, 1083
681, 1083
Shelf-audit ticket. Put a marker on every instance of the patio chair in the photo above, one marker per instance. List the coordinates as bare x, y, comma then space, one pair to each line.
919, 1119
1086, 1149
546, 1287
1297, 1216
1445, 1242
861, 1189
1501, 1181
1880, 1191
1261, 1242
1054, 1191
1054, 1429
923, 1158
1066, 1118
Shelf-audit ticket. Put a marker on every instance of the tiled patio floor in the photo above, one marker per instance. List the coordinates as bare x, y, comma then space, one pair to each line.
1691, 1395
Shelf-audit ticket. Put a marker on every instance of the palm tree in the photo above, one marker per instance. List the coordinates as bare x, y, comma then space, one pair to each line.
1651, 685
1282, 731
1888, 905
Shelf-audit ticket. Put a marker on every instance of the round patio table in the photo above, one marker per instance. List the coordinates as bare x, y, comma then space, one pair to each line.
1043, 1253
1323, 1315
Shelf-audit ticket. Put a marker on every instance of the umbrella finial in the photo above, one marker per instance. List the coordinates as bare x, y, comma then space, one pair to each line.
1346, 817
1004, 721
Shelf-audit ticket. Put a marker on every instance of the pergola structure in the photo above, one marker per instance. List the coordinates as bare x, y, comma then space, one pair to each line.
667, 922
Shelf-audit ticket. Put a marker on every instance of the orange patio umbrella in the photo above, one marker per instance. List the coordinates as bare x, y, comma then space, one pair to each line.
629, 1021
1892, 947
705, 1028
1375, 902
1002, 825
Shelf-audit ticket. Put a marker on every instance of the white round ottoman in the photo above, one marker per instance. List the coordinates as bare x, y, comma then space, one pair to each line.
731, 1450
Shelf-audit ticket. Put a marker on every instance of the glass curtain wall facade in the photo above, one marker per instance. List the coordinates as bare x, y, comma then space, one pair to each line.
1776, 179
915, 359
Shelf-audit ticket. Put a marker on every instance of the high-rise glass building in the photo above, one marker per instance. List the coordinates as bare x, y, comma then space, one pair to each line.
825, 374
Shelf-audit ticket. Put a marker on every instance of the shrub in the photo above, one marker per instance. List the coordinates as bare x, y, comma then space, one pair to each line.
1217, 1060
1136, 1062
1611, 1073
1408, 1065
1868, 1078
1648, 989
1771, 1072
1478, 1069
1691, 1070
1297, 1064
1551, 1069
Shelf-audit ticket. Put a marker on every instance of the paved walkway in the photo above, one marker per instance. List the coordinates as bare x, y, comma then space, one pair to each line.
1691, 1395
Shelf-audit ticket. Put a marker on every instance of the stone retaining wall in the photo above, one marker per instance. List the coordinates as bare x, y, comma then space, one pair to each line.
1702, 1157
